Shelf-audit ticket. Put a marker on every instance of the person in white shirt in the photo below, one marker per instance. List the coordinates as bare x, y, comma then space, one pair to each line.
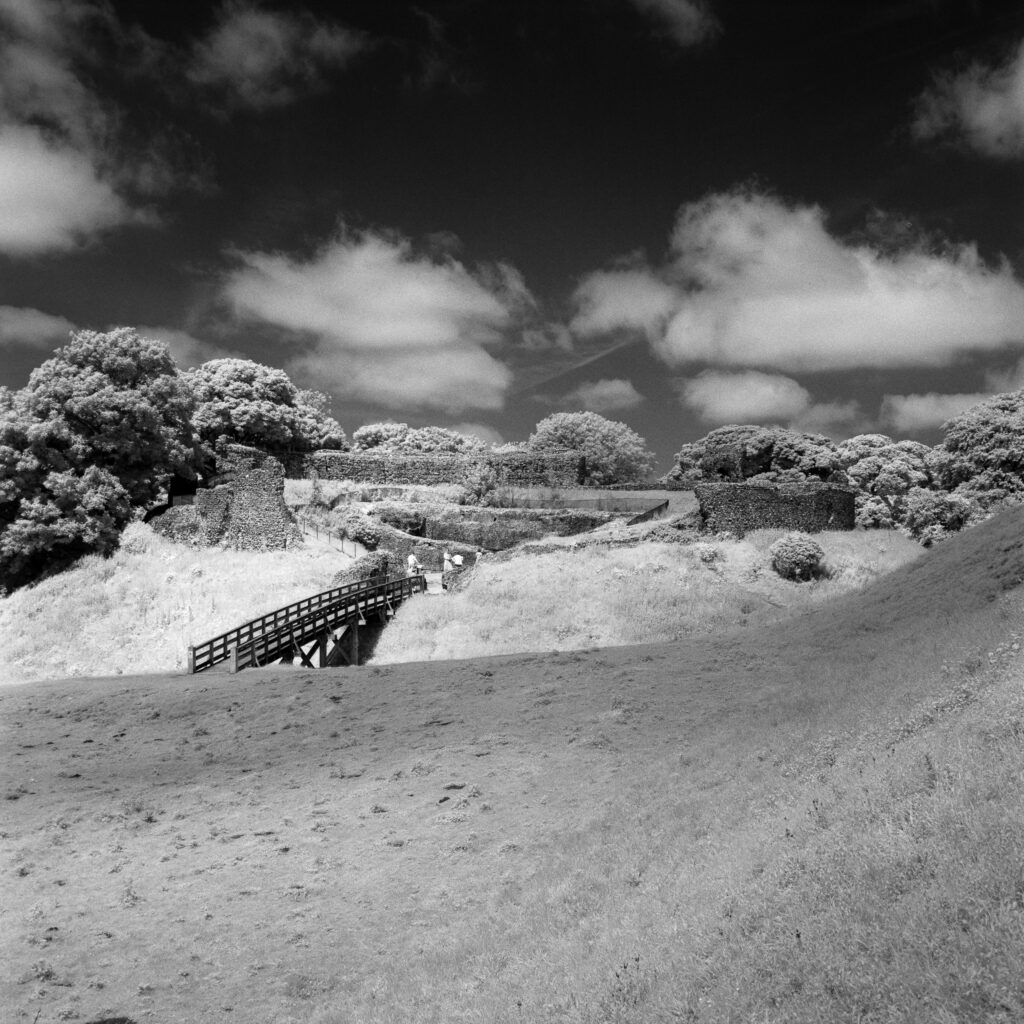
414, 565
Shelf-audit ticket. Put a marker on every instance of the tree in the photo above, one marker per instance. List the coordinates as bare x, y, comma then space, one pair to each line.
244, 402
746, 452
886, 472
984, 447
614, 452
379, 435
400, 438
90, 438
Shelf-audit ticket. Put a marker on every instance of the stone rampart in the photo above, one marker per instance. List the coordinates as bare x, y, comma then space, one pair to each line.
521, 469
249, 513
810, 507
498, 528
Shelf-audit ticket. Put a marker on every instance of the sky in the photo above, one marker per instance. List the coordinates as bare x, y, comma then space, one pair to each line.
676, 213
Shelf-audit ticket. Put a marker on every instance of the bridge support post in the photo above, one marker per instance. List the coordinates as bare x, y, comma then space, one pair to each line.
323, 646
353, 643
191, 661
233, 660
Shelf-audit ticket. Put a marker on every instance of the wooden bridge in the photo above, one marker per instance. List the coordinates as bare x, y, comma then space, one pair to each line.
324, 627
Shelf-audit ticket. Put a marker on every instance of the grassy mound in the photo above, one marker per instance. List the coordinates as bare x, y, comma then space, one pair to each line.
602, 596
138, 610
819, 821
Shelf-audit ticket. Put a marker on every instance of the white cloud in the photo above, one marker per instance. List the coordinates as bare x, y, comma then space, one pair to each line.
30, 327
687, 21
381, 323
908, 414
450, 380
630, 298
262, 59
983, 107
52, 197
63, 178
758, 283
745, 397
604, 395
837, 420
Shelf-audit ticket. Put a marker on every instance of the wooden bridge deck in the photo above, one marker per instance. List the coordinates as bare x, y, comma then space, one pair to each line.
324, 620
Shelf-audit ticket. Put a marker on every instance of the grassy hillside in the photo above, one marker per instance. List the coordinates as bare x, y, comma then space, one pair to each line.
818, 821
138, 610
602, 596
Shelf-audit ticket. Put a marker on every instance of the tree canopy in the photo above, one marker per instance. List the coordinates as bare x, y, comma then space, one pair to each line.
400, 437
746, 451
244, 402
887, 473
614, 452
984, 446
92, 435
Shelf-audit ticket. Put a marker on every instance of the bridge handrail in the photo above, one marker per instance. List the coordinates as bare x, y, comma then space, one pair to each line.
323, 618
217, 649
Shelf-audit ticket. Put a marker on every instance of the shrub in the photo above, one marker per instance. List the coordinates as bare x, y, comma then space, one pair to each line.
359, 527
401, 517
796, 556
138, 539
932, 515
371, 566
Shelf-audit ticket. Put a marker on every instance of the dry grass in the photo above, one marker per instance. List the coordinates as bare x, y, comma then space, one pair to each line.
138, 610
599, 597
820, 822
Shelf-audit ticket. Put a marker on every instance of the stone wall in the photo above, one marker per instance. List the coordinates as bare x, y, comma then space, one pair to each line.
249, 513
520, 469
496, 528
740, 508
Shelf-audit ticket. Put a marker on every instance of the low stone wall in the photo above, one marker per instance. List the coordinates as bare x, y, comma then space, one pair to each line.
513, 469
249, 513
498, 528
810, 507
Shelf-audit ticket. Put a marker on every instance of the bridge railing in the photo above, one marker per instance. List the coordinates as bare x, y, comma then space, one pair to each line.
369, 599
211, 652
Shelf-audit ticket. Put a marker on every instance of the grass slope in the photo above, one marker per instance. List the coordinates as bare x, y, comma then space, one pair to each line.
602, 596
139, 610
818, 822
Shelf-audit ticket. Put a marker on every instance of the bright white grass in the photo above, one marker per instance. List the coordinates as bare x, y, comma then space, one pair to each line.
138, 610
599, 596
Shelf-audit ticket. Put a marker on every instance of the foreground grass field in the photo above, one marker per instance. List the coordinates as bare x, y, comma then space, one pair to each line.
817, 821
602, 596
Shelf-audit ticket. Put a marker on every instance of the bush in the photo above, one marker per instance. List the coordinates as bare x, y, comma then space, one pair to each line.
138, 539
366, 568
796, 556
932, 515
359, 527
401, 517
